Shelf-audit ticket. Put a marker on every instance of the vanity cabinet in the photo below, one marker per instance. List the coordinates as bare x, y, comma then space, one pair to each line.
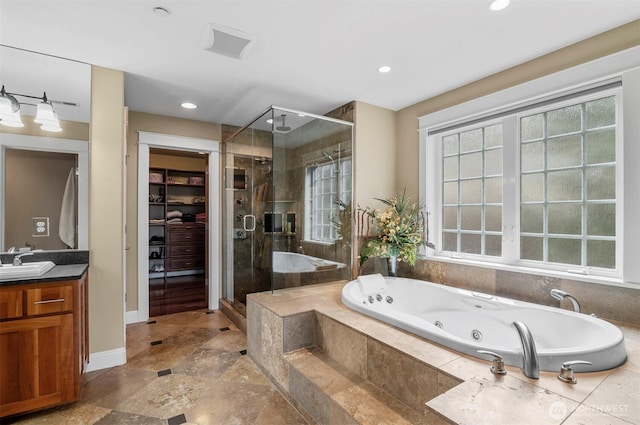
43, 344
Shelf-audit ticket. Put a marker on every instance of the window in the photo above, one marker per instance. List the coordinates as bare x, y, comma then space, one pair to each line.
533, 187
472, 191
568, 184
327, 191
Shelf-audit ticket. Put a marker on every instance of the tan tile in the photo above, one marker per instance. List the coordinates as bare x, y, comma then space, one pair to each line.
229, 403
299, 331
254, 329
366, 404
618, 395
478, 279
206, 363
159, 357
505, 402
632, 342
167, 396
72, 414
586, 415
116, 386
407, 379
216, 320
271, 346
277, 411
194, 337
129, 419
614, 303
344, 345
246, 372
231, 340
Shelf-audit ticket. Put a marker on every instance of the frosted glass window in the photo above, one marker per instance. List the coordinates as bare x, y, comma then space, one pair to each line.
564, 152
472, 190
471, 140
568, 203
564, 121
471, 165
546, 177
532, 156
327, 186
532, 128
601, 146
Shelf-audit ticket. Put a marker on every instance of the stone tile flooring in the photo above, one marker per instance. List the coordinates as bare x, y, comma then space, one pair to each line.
183, 368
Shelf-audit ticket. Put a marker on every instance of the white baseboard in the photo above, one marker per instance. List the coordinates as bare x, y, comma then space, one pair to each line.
133, 317
106, 359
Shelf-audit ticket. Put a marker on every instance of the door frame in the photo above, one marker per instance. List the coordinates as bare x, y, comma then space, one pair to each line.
146, 141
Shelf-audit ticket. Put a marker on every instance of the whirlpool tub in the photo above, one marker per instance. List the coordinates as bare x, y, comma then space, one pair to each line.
470, 321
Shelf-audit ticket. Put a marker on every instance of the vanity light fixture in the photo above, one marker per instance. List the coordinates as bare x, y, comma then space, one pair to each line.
188, 105
498, 5
45, 115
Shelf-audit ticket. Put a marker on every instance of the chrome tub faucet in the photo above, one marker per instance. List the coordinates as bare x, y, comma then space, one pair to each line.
530, 366
561, 295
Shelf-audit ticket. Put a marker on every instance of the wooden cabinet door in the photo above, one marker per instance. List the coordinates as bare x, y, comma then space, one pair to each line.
38, 363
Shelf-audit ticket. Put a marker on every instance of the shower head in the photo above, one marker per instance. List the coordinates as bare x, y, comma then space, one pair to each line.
283, 127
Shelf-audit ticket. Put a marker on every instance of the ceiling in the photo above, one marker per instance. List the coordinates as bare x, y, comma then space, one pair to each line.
308, 55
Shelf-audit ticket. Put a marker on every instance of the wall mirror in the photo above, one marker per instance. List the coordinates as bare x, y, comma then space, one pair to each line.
43, 170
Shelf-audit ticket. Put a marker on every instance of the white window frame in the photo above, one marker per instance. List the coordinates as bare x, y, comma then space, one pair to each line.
623, 67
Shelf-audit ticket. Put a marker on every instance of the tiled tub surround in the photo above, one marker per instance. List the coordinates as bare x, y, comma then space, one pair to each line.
341, 367
611, 302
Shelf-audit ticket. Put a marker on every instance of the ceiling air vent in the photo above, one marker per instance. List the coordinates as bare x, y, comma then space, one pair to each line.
226, 41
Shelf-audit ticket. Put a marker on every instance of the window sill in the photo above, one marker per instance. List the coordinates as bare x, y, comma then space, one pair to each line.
601, 280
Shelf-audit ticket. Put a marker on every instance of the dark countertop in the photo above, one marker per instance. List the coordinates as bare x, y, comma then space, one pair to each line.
70, 265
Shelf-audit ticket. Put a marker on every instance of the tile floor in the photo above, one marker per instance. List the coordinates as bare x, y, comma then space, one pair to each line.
183, 368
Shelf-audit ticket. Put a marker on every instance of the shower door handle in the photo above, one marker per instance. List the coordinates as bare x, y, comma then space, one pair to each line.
253, 223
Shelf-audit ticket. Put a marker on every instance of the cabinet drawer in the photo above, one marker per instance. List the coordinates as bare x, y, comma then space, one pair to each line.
10, 303
186, 250
47, 300
186, 237
185, 263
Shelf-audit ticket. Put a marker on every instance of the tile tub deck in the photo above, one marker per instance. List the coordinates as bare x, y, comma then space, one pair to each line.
340, 366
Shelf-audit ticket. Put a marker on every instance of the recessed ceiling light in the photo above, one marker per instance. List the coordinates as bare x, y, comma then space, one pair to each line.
270, 121
160, 11
498, 5
188, 105
384, 69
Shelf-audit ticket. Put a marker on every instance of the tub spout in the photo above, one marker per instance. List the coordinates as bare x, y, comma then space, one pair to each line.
561, 295
530, 367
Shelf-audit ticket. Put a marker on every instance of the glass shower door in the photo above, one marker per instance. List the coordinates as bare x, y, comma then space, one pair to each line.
248, 191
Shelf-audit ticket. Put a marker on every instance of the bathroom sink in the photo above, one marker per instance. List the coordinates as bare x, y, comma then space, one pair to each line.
25, 270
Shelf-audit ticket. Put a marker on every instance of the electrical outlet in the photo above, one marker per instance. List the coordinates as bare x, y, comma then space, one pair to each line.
39, 227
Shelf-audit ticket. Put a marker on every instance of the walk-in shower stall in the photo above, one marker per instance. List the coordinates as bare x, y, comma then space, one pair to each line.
287, 203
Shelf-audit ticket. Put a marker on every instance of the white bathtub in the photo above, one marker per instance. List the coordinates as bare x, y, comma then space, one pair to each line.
290, 262
469, 321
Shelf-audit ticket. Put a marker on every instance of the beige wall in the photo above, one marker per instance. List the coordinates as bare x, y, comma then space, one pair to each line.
106, 196
140, 121
375, 154
407, 160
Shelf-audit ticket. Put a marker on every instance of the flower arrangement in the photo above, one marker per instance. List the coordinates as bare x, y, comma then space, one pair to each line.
399, 230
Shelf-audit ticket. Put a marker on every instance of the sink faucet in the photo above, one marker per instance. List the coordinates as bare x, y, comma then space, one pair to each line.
17, 260
561, 295
530, 367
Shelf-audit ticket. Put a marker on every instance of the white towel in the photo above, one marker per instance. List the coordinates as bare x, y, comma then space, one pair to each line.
67, 229
372, 284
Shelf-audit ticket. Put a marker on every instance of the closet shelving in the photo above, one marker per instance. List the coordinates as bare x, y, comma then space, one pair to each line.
177, 240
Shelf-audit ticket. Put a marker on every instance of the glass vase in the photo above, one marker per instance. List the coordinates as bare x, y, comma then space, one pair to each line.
393, 266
